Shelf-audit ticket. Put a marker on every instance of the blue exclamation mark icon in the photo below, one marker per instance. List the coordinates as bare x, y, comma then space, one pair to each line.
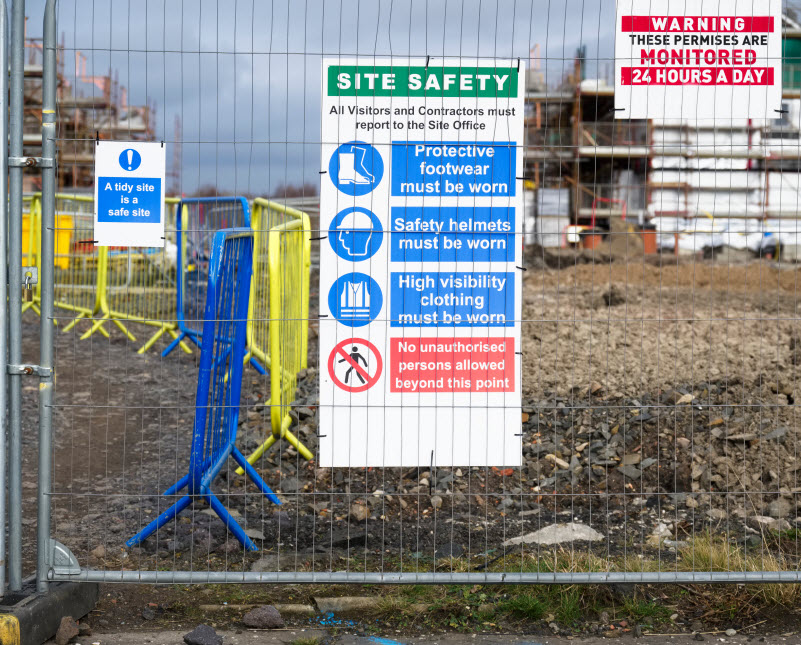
130, 159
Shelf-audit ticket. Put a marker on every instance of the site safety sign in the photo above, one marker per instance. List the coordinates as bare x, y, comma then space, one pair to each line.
129, 193
420, 280
693, 59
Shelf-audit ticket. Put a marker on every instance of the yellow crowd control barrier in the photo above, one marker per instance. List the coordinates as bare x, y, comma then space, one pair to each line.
100, 283
278, 317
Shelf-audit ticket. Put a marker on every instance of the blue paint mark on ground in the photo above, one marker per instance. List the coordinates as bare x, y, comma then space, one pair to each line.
383, 641
328, 620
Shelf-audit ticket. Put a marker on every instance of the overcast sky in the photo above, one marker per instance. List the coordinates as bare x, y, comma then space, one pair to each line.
244, 75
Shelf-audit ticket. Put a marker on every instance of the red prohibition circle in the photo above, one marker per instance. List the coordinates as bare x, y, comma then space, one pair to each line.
338, 351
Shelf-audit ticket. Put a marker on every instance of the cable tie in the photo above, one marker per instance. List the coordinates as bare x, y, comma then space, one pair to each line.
322, 172
319, 238
521, 268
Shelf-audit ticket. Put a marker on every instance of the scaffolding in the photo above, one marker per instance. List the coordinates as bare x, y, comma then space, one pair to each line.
91, 106
586, 168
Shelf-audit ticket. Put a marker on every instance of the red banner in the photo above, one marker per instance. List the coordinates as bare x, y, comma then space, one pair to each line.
452, 364
696, 76
714, 24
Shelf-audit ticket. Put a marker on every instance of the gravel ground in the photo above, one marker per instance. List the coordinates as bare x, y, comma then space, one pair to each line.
266, 638
658, 402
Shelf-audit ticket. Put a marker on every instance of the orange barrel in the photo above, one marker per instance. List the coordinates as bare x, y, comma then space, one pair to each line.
648, 235
591, 238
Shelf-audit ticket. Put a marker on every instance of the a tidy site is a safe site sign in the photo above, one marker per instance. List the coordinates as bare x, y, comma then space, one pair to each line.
420, 294
696, 59
129, 193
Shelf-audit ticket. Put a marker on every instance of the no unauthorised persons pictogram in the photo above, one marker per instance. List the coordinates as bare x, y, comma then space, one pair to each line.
355, 365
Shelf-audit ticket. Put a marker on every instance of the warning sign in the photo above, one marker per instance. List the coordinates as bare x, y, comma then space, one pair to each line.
422, 202
698, 60
355, 365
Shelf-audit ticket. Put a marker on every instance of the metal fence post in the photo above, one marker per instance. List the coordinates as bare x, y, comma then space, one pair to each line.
15, 298
46, 277
3, 281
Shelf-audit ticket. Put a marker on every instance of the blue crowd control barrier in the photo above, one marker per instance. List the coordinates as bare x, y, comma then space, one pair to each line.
197, 221
222, 352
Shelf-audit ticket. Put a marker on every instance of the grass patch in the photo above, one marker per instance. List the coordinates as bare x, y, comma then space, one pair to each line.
647, 611
488, 608
571, 605
525, 605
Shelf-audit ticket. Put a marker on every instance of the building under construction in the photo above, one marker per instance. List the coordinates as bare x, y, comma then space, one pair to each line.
697, 185
90, 107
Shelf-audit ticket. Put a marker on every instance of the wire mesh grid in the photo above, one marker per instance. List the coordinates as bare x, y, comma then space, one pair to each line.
659, 313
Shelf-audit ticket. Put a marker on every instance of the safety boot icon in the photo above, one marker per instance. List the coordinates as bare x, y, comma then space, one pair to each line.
352, 169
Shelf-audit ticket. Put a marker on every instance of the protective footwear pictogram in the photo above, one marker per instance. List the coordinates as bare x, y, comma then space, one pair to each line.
356, 168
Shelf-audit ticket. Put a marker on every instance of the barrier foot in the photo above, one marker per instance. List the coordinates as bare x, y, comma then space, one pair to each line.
30, 617
186, 349
273, 438
124, 329
255, 364
254, 457
152, 340
177, 486
263, 361
74, 321
97, 326
178, 340
298, 445
36, 310
173, 345
230, 523
255, 477
160, 521
164, 329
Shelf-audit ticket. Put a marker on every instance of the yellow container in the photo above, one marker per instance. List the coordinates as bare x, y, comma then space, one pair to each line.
30, 241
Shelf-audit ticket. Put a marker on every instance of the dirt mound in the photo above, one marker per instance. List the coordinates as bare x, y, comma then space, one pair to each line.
623, 242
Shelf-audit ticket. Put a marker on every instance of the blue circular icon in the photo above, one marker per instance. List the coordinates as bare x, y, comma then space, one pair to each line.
356, 168
355, 234
130, 159
355, 299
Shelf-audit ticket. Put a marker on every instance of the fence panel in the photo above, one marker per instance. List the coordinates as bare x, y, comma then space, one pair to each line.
196, 223
77, 260
658, 354
219, 384
100, 283
278, 320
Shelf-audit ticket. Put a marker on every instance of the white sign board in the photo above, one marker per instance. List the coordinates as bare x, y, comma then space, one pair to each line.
420, 294
129, 193
692, 59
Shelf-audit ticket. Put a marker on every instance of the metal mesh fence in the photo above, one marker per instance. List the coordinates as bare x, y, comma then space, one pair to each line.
657, 364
